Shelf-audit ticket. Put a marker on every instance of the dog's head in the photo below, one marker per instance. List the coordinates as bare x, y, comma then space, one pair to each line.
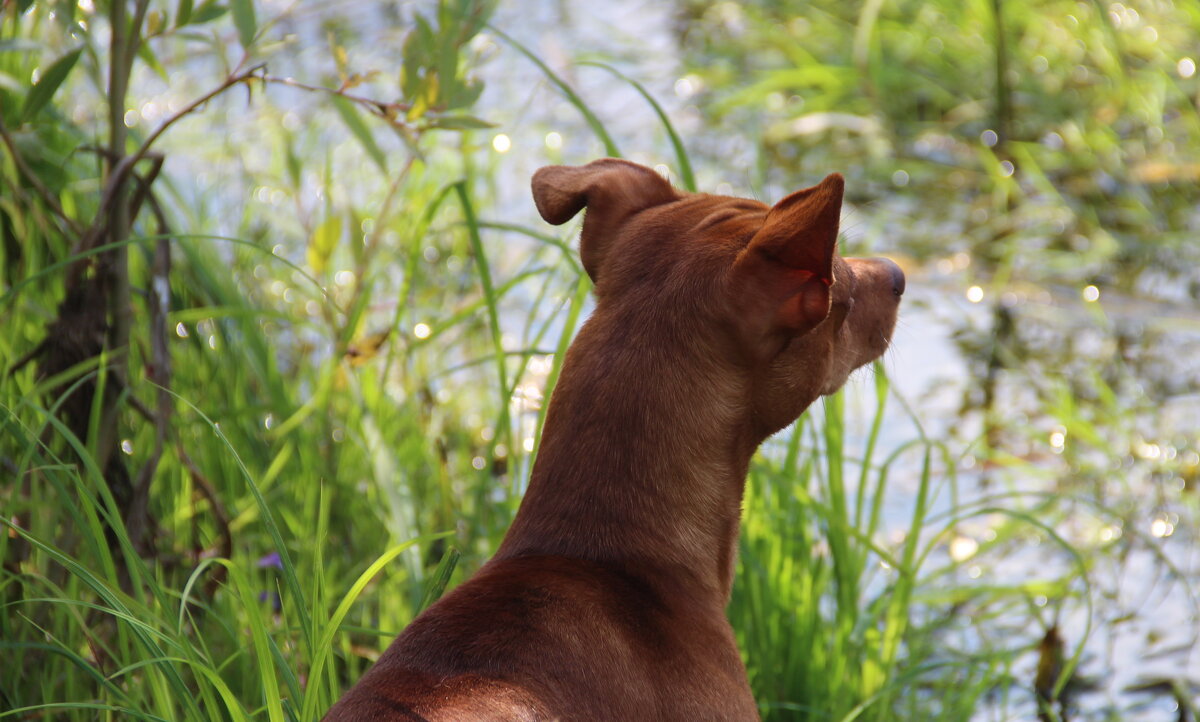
759, 289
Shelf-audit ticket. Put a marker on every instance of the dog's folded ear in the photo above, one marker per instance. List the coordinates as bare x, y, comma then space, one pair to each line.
611, 189
788, 264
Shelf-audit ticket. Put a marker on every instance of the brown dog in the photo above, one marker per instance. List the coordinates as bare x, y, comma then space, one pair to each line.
718, 321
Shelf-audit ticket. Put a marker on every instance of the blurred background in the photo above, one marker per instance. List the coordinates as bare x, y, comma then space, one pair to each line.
279, 320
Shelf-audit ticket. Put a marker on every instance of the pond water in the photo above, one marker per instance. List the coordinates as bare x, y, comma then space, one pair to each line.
1133, 530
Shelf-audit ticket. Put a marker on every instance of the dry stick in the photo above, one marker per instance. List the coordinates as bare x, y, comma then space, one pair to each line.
142, 410
21, 362
114, 219
387, 111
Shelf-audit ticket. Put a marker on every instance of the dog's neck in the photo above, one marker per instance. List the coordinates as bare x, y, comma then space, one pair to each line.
643, 460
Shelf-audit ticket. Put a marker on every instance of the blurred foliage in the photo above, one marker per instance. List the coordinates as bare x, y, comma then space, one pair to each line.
1052, 141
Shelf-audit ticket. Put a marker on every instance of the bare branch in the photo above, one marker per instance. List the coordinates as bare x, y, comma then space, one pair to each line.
387, 111
121, 172
144, 193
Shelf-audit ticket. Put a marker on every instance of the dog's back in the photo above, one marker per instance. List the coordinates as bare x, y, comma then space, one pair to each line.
544, 638
718, 321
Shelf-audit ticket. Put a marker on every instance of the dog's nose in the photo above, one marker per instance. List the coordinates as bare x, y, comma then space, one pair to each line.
897, 276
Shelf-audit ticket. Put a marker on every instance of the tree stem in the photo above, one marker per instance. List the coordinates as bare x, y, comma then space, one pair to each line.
114, 265
1004, 113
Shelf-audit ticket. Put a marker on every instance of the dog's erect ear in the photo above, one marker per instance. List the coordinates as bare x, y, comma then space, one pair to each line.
789, 262
611, 189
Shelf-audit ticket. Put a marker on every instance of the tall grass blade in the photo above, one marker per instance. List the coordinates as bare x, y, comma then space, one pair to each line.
572, 97
324, 646
436, 584
493, 301
685, 164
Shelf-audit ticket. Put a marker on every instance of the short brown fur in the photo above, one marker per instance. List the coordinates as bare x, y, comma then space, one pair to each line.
718, 321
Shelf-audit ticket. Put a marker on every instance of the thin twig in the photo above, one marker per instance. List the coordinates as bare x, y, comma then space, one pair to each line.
122, 169
136, 404
387, 111
144, 193
143, 181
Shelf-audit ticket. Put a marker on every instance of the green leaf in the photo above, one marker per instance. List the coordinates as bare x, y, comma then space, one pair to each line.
44, 89
464, 95
447, 69
154, 23
323, 242
410, 72
208, 12
183, 13
243, 18
146, 53
418, 51
474, 15
360, 130
459, 122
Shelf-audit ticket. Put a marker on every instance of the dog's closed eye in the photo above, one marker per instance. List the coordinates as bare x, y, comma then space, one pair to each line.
839, 310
